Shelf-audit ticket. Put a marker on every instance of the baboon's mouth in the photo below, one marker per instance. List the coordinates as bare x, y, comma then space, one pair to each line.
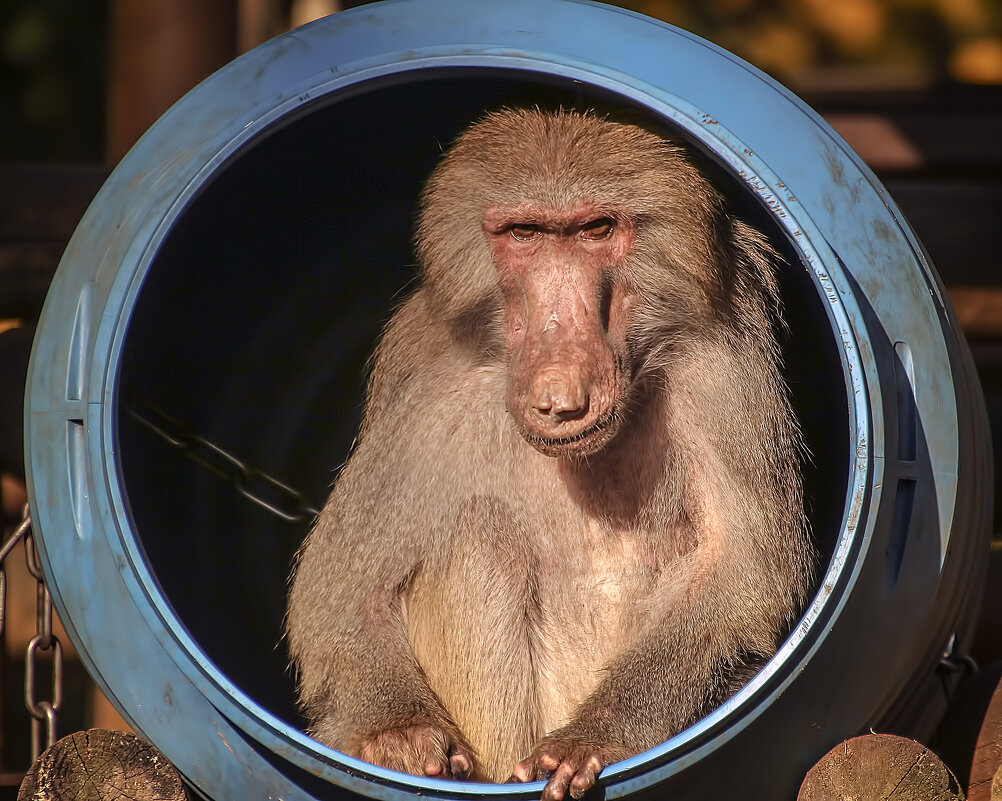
589, 440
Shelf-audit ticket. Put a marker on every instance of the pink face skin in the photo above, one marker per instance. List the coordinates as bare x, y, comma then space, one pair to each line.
565, 321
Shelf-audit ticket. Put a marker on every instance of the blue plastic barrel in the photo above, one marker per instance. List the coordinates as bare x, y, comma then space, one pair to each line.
201, 355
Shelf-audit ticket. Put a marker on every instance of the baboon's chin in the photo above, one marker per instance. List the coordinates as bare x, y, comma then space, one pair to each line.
578, 446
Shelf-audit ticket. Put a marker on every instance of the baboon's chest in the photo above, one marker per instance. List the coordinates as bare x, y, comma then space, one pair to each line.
513, 628
530, 616
593, 604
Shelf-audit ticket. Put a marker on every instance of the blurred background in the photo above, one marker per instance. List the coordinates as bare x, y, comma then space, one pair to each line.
915, 86
80, 81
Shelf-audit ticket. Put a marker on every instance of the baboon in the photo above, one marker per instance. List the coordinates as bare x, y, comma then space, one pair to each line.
572, 522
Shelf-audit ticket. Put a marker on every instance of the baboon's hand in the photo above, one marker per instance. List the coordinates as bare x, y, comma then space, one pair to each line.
568, 763
421, 750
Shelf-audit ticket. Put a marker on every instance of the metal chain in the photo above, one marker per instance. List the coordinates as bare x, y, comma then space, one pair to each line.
954, 660
266, 491
42, 711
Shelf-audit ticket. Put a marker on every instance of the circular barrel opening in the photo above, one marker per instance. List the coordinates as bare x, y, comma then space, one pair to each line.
241, 380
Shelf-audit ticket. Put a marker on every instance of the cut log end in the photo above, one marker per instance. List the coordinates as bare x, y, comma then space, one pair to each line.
105, 766
880, 767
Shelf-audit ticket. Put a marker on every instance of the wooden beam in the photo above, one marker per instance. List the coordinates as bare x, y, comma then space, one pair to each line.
978, 310
159, 50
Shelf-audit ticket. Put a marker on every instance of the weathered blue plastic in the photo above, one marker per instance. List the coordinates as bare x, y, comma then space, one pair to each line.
908, 558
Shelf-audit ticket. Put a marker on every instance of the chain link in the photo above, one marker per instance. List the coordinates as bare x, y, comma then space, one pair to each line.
43, 601
43, 712
257, 486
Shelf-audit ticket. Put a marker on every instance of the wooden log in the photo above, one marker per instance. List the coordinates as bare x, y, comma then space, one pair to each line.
102, 765
880, 767
986, 764
956, 739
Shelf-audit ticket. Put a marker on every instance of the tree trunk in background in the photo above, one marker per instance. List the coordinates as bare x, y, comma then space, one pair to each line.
159, 50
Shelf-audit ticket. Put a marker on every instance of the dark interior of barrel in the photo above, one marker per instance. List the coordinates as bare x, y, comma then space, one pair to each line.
254, 324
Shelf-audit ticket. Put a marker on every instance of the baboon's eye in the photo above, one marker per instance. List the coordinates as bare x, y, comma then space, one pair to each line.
598, 229
524, 232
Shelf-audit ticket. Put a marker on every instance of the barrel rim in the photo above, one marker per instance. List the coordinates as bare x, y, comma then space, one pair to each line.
862, 395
